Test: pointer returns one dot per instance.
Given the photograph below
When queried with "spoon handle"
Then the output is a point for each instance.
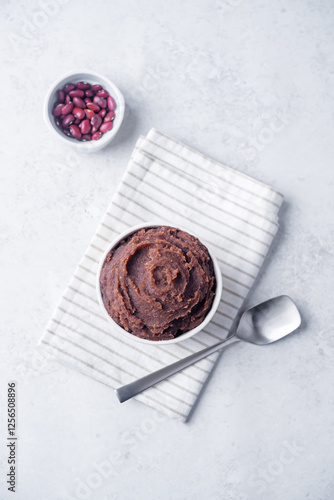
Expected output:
(128, 391)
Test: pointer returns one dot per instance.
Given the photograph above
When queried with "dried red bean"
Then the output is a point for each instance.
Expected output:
(111, 103)
(109, 116)
(61, 96)
(89, 113)
(96, 121)
(76, 93)
(102, 93)
(81, 108)
(69, 87)
(79, 113)
(79, 103)
(106, 126)
(58, 109)
(100, 101)
(93, 106)
(67, 120)
(85, 127)
(83, 85)
(96, 87)
(87, 137)
(96, 136)
(75, 131)
(67, 108)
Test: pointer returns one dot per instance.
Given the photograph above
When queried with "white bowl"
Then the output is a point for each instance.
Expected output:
(93, 78)
(186, 335)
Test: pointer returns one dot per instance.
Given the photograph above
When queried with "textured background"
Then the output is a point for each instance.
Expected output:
(251, 84)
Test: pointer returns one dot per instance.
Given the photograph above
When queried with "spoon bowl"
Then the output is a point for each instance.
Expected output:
(269, 321)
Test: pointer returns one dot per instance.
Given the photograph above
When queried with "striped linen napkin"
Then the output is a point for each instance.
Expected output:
(236, 216)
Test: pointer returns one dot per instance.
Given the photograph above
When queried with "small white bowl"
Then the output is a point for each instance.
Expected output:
(93, 78)
(183, 336)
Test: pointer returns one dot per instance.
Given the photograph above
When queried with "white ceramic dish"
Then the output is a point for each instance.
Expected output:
(190, 333)
(93, 78)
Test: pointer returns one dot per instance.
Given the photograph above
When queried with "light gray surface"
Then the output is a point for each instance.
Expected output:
(250, 84)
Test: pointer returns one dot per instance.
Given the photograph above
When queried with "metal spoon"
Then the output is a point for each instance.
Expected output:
(262, 324)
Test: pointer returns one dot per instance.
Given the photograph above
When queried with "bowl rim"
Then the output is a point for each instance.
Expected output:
(184, 336)
(88, 146)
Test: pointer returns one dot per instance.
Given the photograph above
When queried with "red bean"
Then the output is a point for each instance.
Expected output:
(96, 121)
(106, 126)
(100, 101)
(89, 113)
(85, 127)
(79, 113)
(75, 131)
(67, 108)
(79, 103)
(58, 109)
(76, 93)
(61, 96)
(96, 136)
(87, 137)
(68, 120)
(96, 87)
(111, 103)
(93, 106)
(109, 116)
(83, 85)
(84, 111)
(69, 87)
(102, 93)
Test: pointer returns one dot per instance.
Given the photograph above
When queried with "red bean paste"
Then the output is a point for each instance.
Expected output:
(158, 283)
